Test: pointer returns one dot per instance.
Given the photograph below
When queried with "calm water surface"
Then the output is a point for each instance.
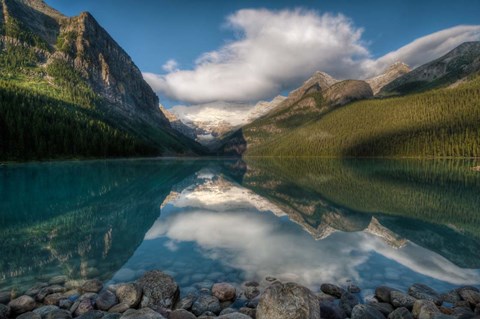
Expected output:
(370, 222)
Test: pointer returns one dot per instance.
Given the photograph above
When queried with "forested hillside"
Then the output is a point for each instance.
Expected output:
(437, 123)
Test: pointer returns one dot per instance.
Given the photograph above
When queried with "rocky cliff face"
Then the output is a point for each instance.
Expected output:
(393, 72)
(454, 66)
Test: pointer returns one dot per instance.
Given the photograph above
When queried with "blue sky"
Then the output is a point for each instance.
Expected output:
(156, 31)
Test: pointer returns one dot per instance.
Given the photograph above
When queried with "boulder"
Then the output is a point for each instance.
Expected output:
(224, 291)
(112, 316)
(45, 310)
(288, 301)
(119, 308)
(21, 304)
(383, 307)
(35, 289)
(53, 299)
(58, 280)
(83, 307)
(347, 302)
(4, 311)
(92, 314)
(130, 294)
(399, 299)
(186, 302)
(181, 314)
(382, 293)
(470, 295)
(400, 313)
(332, 290)
(93, 285)
(252, 313)
(143, 313)
(159, 289)
(452, 296)
(251, 292)
(5, 297)
(234, 315)
(29, 315)
(59, 314)
(366, 312)
(330, 310)
(421, 291)
(424, 309)
(106, 300)
(206, 303)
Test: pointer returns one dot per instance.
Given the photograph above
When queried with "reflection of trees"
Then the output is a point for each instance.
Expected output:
(429, 198)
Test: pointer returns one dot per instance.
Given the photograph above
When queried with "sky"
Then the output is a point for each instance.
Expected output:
(194, 52)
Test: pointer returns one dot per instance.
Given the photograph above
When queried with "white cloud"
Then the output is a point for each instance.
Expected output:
(280, 49)
(170, 66)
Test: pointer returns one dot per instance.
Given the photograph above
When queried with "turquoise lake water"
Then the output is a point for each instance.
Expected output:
(370, 222)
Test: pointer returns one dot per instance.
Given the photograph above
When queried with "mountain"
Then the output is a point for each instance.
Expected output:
(454, 66)
(393, 72)
(73, 63)
(212, 122)
(316, 97)
(177, 124)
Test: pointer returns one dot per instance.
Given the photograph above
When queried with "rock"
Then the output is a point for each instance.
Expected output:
(424, 309)
(382, 293)
(332, 290)
(470, 295)
(252, 303)
(462, 303)
(439, 315)
(29, 315)
(445, 310)
(158, 289)
(224, 292)
(186, 302)
(35, 289)
(468, 288)
(235, 315)
(59, 314)
(45, 310)
(93, 285)
(421, 291)
(288, 301)
(399, 299)
(329, 310)
(83, 307)
(106, 300)
(21, 304)
(143, 313)
(323, 297)
(251, 292)
(5, 297)
(129, 294)
(270, 279)
(206, 303)
(352, 288)
(252, 313)
(347, 302)
(65, 303)
(463, 312)
(452, 296)
(73, 284)
(383, 307)
(53, 299)
(120, 308)
(251, 284)
(226, 311)
(366, 312)
(4, 311)
(181, 314)
(58, 280)
(477, 310)
(400, 313)
(92, 314)
(88, 295)
(112, 316)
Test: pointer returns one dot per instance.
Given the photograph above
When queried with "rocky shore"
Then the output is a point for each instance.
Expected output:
(156, 295)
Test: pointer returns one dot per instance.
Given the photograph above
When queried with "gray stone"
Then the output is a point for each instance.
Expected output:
(400, 313)
(226, 311)
(383, 307)
(399, 299)
(270, 279)
(35, 289)
(235, 315)
(45, 310)
(106, 300)
(251, 284)
(83, 307)
(4, 311)
(143, 313)
(252, 303)
(463, 312)
(181, 314)
(439, 315)
(421, 291)
(29, 315)
(330, 310)
(452, 296)
(382, 293)
(129, 294)
(112, 316)
(88, 295)
(5, 297)
(93, 285)
(288, 301)
(53, 299)
(472, 296)
(366, 312)
(353, 288)
(21, 304)
(224, 291)
(186, 302)
(92, 314)
(58, 280)
(59, 314)
(252, 313)
(332, 290)
(347, 302)
(251, 292)
(424, 309)
(120, 308)
(477, 310)
(65, 303)
(206, 303)
(159, 289)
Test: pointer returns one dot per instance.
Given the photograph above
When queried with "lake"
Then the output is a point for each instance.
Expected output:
(312, 221)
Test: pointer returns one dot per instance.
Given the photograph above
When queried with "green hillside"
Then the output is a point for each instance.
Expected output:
(437, 123)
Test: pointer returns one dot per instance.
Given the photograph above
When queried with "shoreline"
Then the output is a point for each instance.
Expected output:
(156, 295)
